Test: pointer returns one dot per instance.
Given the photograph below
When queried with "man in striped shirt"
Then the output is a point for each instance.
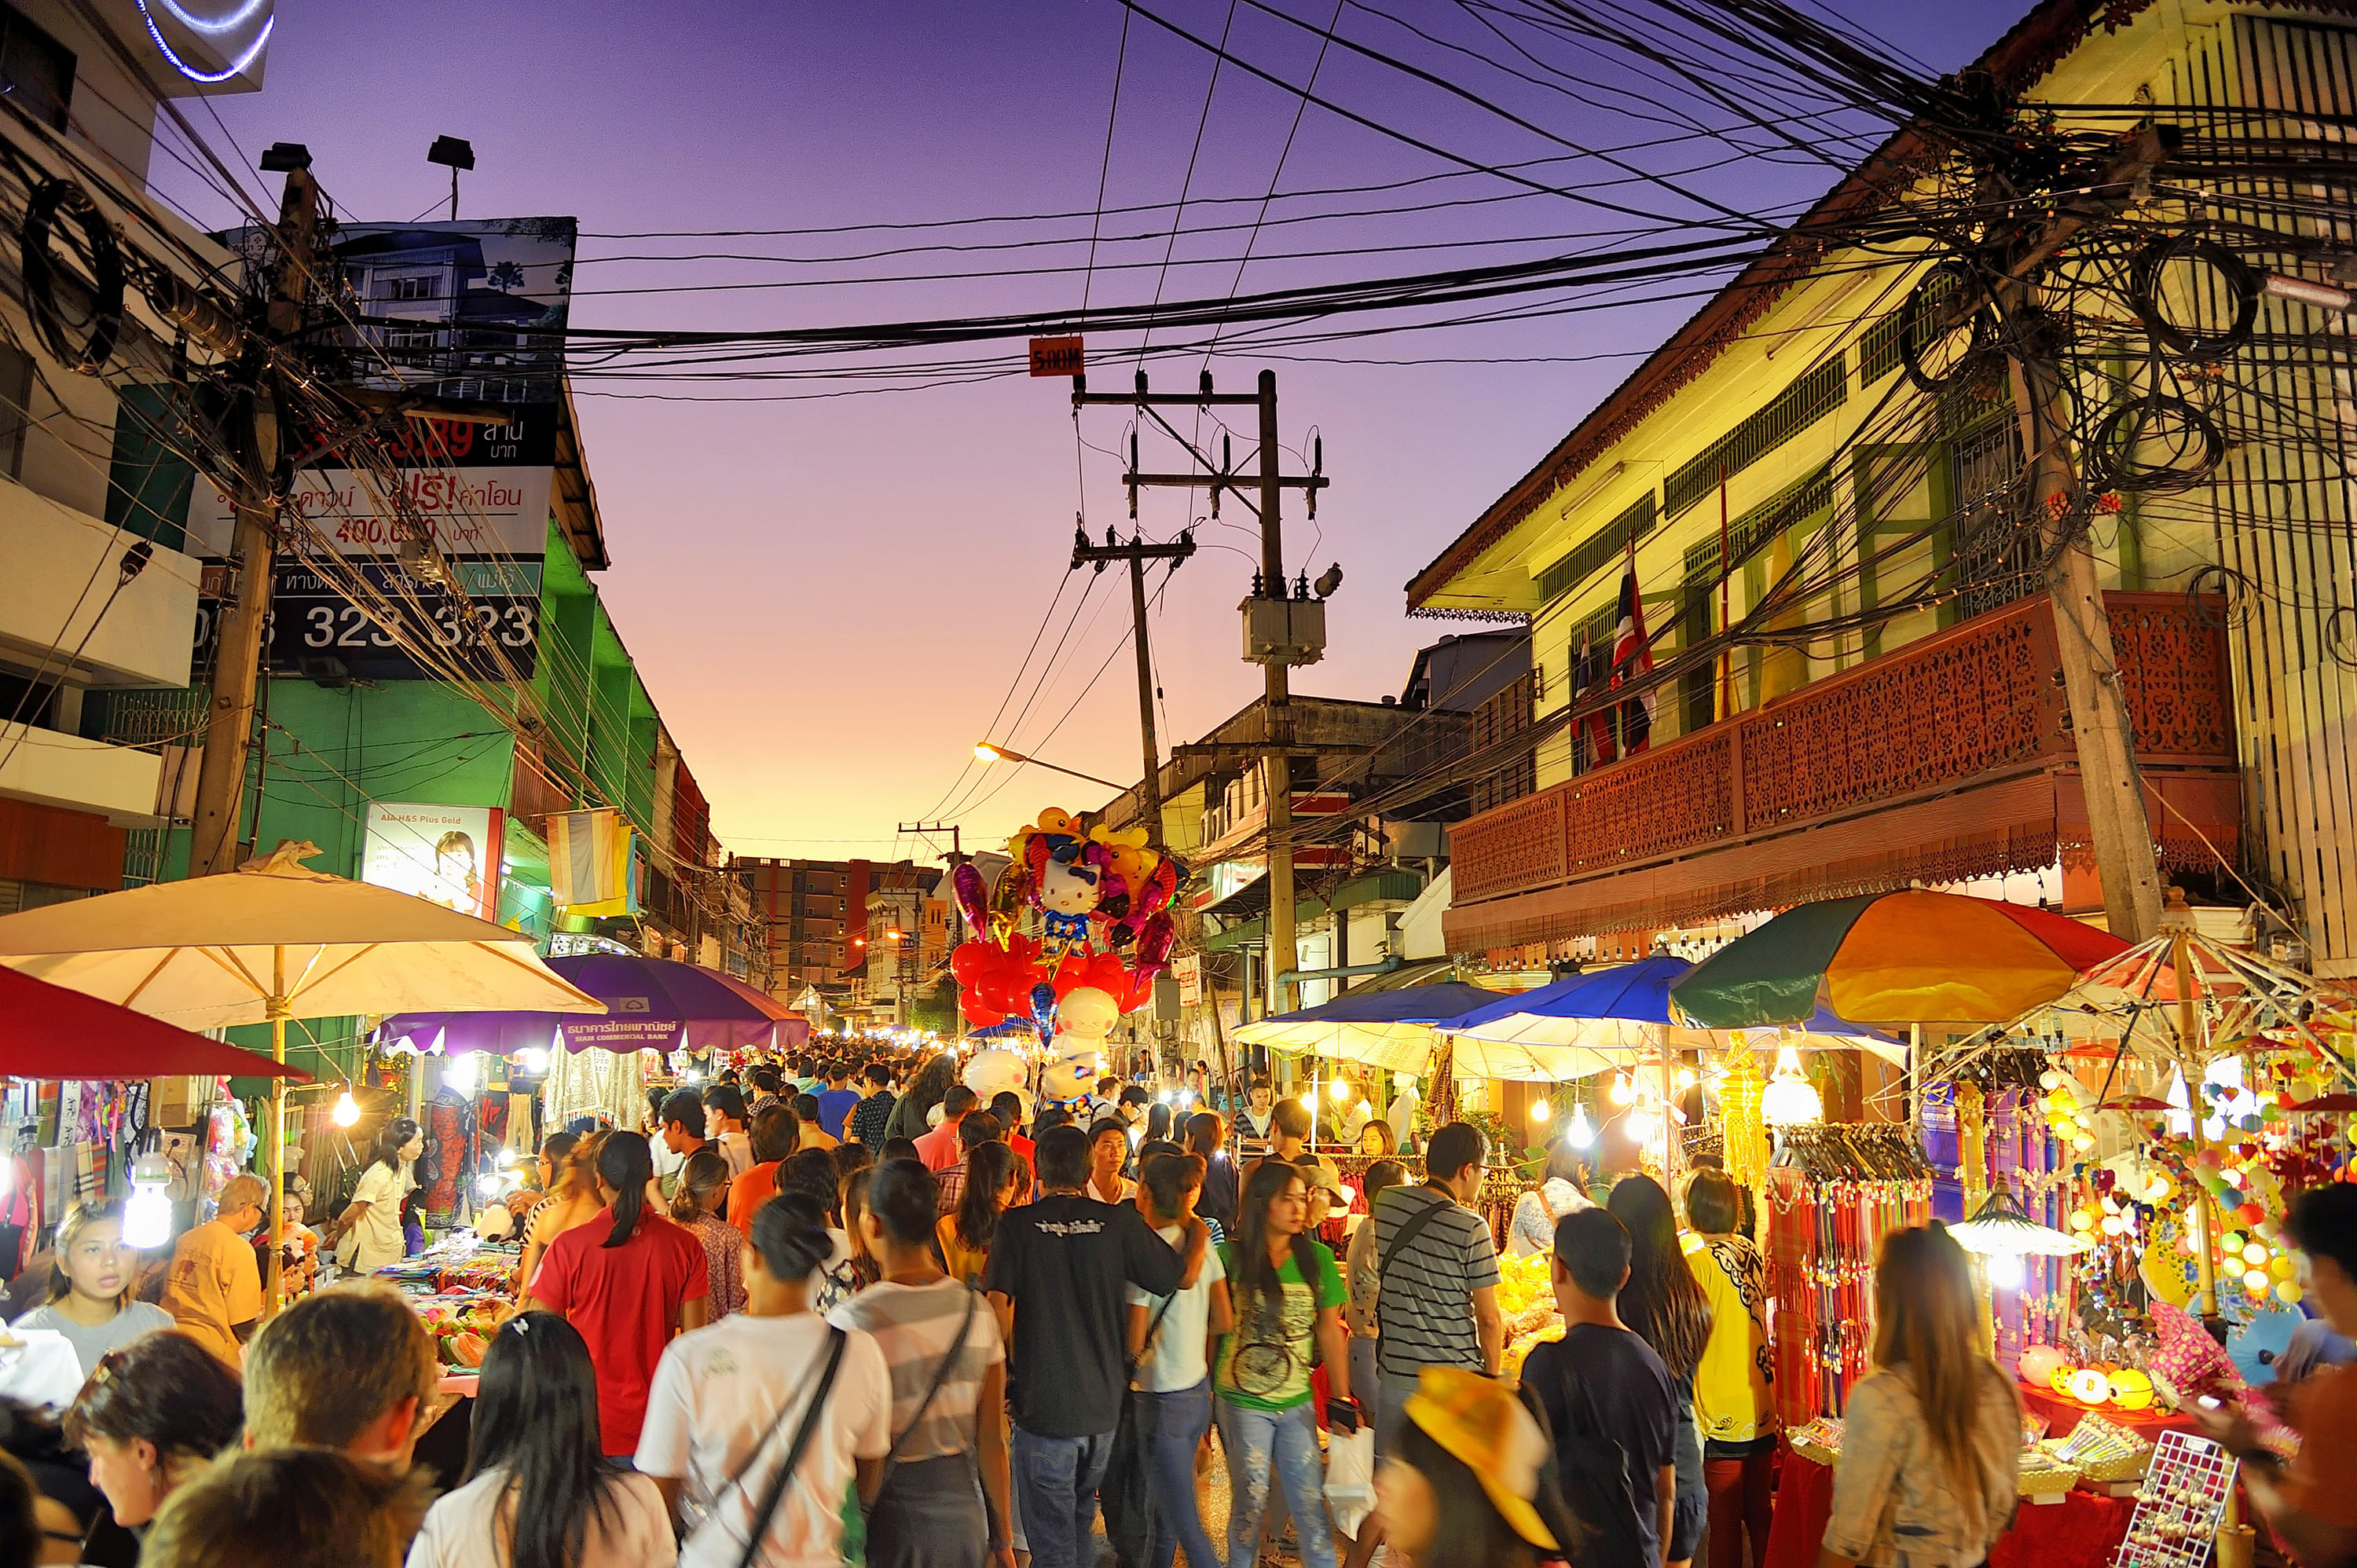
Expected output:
(1436, 1304)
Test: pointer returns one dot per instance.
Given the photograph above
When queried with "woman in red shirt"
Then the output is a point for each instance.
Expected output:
(628, 1283)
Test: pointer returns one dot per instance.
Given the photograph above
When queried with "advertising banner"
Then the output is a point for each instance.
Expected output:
(469, 311)
(445, 854)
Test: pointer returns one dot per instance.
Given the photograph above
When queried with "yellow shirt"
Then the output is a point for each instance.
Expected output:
(1732, 1403)
(963, 1263)
(215, 1283)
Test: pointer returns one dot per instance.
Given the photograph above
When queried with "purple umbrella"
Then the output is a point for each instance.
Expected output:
(651, 1003)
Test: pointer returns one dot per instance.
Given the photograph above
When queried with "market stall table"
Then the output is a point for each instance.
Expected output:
(2060, 1413)
(2082, 1530)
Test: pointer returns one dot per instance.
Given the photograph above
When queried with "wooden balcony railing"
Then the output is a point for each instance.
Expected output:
(1980, 699)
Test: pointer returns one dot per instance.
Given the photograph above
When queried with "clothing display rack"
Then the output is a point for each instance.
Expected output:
(1832, 1193)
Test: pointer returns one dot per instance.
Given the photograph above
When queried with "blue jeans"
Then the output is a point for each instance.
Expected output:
(1171, 1425)
(1056, 1481)
(1284, 1442)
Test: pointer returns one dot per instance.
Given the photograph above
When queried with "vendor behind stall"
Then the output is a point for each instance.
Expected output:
(368, 1235)
(214, 1288)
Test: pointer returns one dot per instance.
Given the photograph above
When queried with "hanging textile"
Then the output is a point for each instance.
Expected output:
(595, 1083)
(450, 1159)
(1833, 1194)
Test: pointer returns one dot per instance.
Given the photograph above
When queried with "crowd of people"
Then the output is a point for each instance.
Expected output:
(799, 1322)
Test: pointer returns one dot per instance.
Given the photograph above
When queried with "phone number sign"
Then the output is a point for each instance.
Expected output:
(405, 630)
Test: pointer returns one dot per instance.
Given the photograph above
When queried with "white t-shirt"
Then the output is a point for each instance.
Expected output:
(1174, 1357)
(717, 1393)
(378, 1232)
(461, 1529)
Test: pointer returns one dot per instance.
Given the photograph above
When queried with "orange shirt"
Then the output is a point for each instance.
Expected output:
(2322, 1481)
(749, 1192)
(215, 1283)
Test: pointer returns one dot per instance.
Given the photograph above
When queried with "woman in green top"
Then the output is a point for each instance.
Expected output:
(1289, 1299)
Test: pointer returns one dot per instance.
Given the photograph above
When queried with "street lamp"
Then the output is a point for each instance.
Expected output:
(984, 751)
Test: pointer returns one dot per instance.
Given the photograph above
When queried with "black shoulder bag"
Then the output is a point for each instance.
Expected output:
(775, 1492)
(1126, 1496)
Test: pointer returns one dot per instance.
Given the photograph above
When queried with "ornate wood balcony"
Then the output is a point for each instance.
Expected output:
(1950, 757)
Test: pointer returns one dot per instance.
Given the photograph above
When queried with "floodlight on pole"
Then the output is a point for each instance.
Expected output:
(457, 152)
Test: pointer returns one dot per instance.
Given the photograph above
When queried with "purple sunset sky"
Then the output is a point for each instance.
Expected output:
(828, 596)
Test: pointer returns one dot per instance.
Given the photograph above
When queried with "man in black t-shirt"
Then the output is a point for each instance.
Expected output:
(1058, 1276)
(1606, 1401)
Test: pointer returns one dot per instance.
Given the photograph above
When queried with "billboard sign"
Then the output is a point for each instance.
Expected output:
(314, 629)
(445, 854)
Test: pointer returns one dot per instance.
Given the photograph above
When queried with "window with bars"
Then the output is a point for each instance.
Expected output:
(1501, 716)
(1816, 394)
(1878, 351)
(1598, 550)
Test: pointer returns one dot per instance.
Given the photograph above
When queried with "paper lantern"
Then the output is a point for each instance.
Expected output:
(2255, 1254)
(2090, 1386)
(2040, 1363)
(2131, 1390)
(2288, 1293)
(2060, 1379)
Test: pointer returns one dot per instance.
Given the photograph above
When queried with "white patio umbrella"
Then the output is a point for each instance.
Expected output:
(273, 941)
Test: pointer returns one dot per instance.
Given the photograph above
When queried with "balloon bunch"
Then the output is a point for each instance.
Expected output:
(1099, 893)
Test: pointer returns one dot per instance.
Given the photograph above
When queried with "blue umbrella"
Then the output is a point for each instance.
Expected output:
(1600, 1018)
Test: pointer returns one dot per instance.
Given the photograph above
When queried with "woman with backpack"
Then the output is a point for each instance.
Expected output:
(946, 1477)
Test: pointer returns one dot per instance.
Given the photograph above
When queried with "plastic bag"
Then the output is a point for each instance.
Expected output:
(1351, 1478)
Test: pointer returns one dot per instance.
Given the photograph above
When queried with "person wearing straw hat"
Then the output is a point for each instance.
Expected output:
(1467, 1484)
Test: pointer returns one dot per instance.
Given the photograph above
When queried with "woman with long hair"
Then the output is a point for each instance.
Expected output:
(911, 1114)
(1157, 1123)
(572, 1202)
(1733, 1404)
(994, 1173)
(1286, 1297)
(151, 1416)
(538, 1491)
(1930, 1436)
(1469, 1482)
(697, 1204)
(545, 1166)
(1665, 1308)
(628, 1283)
(367, 1235)
(1559, 1192)
(92, 1278)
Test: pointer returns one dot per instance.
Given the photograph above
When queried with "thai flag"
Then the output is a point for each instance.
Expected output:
(1633, 657)
(1595, 731)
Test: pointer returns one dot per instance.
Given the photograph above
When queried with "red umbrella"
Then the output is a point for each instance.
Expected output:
(48, 1031)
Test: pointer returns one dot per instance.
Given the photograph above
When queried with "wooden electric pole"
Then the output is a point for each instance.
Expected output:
(1266, 606)
(1137, 553)
(245, 601)
(2119, 830)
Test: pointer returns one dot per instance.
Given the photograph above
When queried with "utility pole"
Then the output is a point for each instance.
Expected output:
(1279, 632)
(245, 605)
(955, 858)
(2120, 832)
(1137, 553)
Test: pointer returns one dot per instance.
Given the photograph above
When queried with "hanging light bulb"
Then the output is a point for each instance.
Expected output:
(458, 1072)
(532, 1060)
(2004, 1270)
(346, 1110)
(1339, 1090)
(1621, 1091)
(1540, 1111)
(1582, 1131)
(1790, 1098)
(148, 1217)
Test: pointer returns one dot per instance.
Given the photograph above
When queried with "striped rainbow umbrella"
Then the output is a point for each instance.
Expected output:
(1894, 959)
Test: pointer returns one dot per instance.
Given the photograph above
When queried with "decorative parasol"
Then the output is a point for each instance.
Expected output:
(2000, 1227)
(1387, 1029)
(1891, 959)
